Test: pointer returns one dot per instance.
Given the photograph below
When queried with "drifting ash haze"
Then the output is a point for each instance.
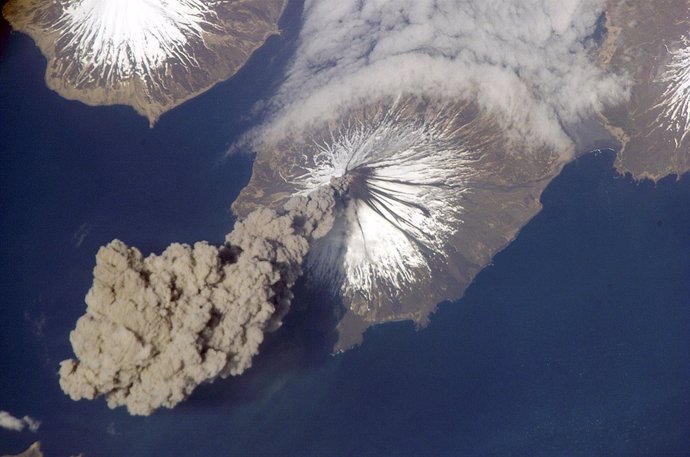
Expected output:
(150, 54)
(157, 327)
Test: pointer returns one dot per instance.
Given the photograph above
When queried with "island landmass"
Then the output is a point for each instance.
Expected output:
(500, 194)
(649, 42)
(152, 56)
(649, 132)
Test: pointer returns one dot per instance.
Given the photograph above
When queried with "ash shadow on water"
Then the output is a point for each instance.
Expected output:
(303, 343)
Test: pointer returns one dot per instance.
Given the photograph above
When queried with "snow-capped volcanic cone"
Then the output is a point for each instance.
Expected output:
(149, 54)
(407, 183)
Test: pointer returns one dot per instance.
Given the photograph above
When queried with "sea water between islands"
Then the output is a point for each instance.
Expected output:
(575, 341)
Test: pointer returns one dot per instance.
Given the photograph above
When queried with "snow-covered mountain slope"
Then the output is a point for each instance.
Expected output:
(675, 101)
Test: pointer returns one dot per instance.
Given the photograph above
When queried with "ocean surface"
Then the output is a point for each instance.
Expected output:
(574, 342)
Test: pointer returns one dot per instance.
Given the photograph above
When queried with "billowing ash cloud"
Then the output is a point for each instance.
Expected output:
(675, 101)
(526, 61)
(9, 422)
(156, 327)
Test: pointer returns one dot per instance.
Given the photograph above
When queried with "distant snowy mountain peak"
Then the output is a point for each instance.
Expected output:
(150, 54)
(675, 104)
(118, 39)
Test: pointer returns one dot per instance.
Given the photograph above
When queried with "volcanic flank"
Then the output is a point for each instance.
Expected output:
(436, 189)
(157, 327)
(150, 54)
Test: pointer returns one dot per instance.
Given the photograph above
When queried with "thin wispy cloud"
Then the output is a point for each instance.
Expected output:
(16, 424)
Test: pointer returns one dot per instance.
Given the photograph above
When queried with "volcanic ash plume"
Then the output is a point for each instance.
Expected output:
(157, 327)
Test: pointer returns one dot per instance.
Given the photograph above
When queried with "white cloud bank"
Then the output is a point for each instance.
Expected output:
(16, 424)
(529, 62)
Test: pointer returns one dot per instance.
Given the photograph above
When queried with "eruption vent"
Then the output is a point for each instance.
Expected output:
(157, 327)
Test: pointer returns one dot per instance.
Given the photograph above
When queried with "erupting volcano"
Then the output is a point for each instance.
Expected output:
(435, 188)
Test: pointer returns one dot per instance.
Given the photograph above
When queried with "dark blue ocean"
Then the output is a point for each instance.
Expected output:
(574, 342)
